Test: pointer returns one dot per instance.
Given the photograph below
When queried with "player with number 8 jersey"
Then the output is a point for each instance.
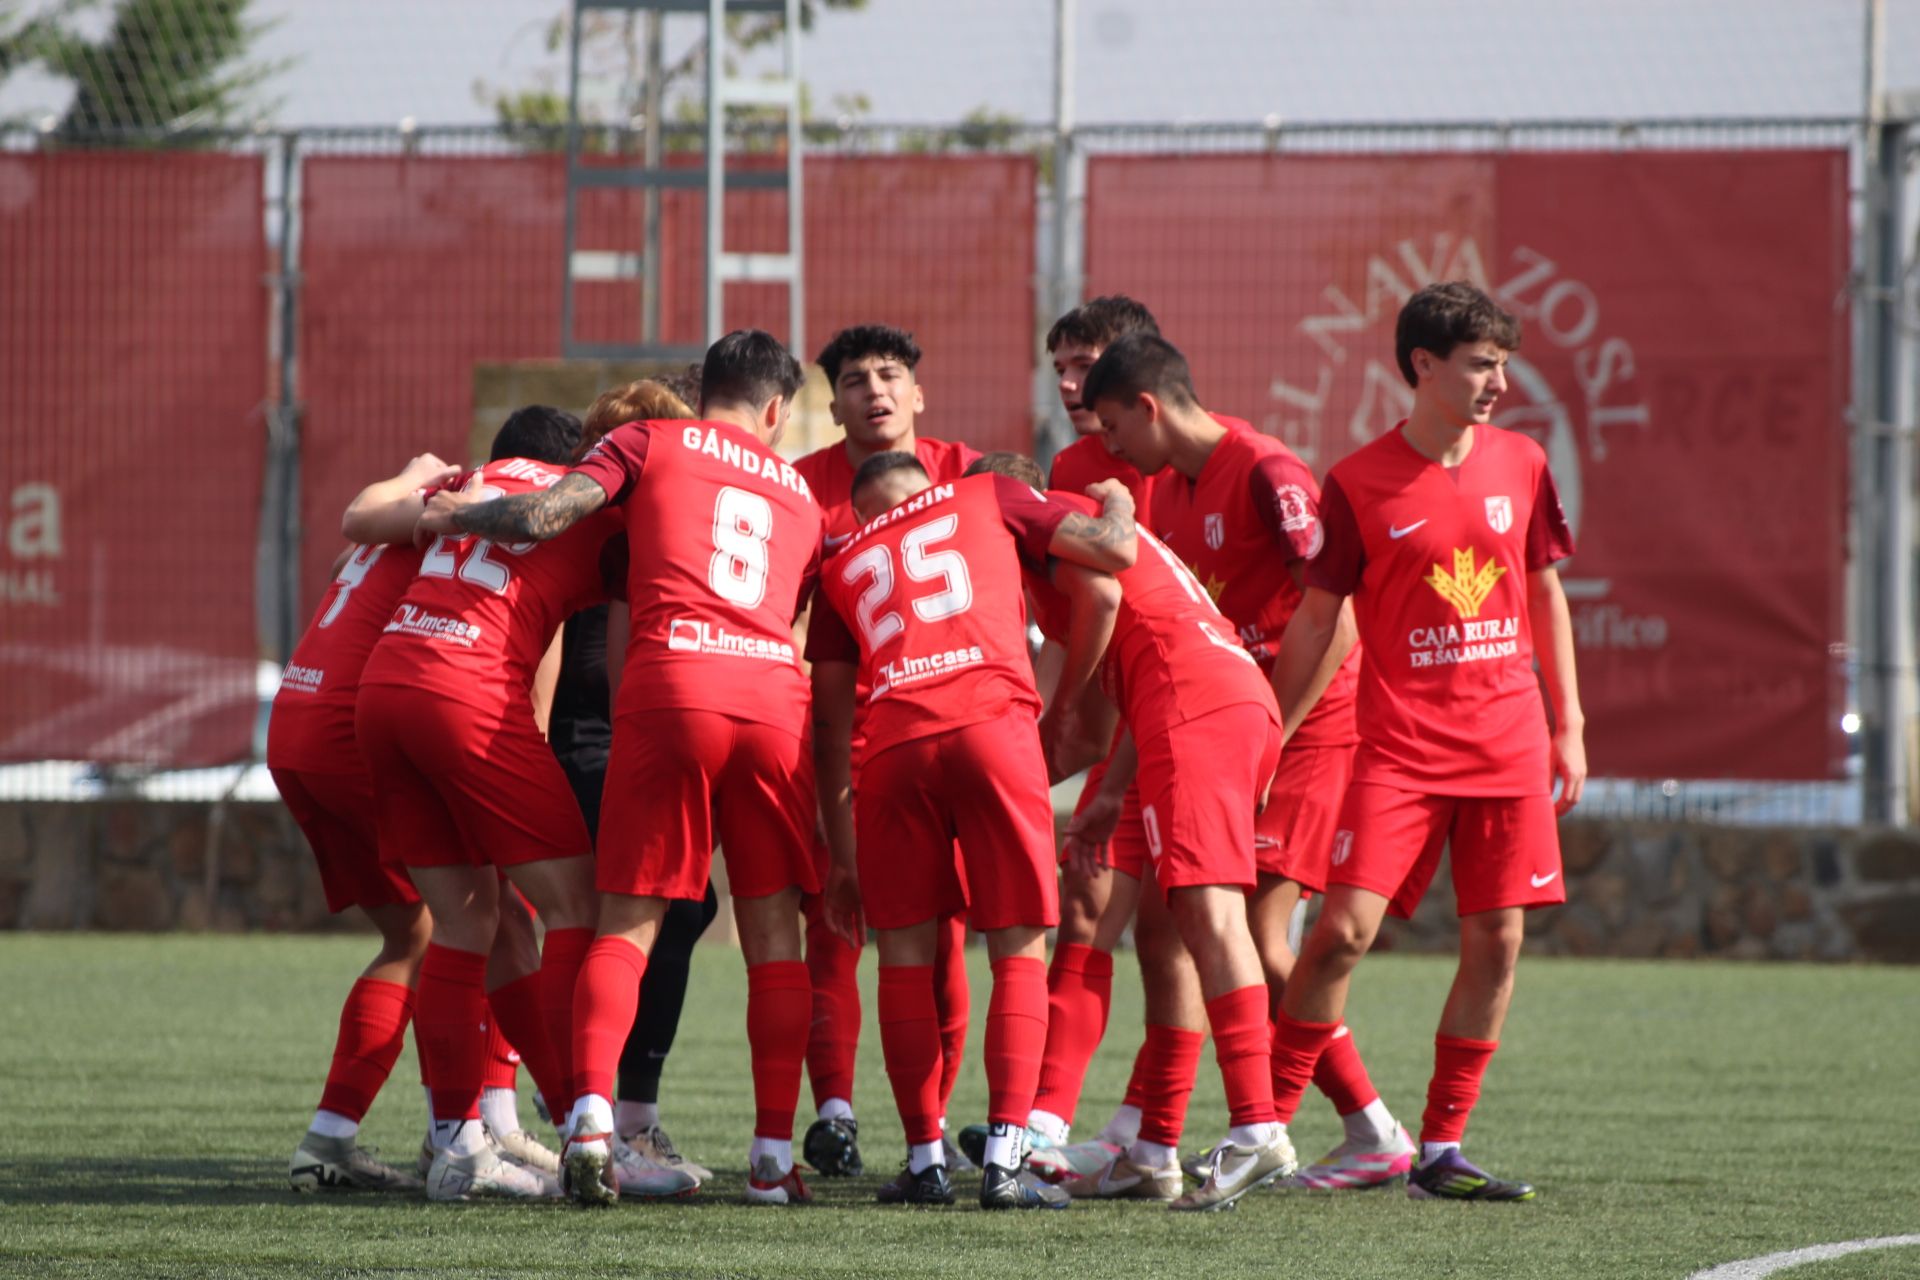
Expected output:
(708, 734)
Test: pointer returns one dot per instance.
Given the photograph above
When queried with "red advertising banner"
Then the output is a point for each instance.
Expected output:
(415, 268)
(133, 353)
(1684, 363)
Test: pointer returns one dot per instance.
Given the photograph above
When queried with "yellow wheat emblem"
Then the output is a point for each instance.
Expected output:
(1466, 588)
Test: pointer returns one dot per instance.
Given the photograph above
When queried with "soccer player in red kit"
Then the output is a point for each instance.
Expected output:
(1183, 682)
(316, 764)
(877, 400)
(709, 729)
(1445, 533)
(1243, 512)
(468, 789)
(952, 749)
(1097, 902)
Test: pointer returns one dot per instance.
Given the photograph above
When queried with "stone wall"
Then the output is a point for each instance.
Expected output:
(1634, 889)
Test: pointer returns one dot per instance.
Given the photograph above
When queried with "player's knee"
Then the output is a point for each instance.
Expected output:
(1490, 942)
(1338, 942)
(1079, 917)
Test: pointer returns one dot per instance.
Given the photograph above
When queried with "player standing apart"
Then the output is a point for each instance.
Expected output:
(1445, 533)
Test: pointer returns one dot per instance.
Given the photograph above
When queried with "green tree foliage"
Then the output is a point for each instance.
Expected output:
(162, 64)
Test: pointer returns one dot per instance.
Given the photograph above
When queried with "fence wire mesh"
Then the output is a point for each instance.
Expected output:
(314, 315)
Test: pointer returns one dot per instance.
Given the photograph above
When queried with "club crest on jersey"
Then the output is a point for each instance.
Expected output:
(1342, 847)
(1500, 513)
(1216, 530)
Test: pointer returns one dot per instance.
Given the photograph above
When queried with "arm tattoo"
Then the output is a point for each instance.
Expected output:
(536, 516)
(1108, 530)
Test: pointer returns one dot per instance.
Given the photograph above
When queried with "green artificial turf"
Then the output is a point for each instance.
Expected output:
(1673, 1115)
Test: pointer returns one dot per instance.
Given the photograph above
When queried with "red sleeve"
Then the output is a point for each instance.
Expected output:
(1343, 557)
(616, 462)
(1548, 538)
(1283, 494)
(828, 639)
(454, 485)
(1031, 517)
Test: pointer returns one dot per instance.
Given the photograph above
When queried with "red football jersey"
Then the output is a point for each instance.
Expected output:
(725, 536)
(1086, 462)
(830, 475)
(933, 587)
(478, 617)
(1436, 560)
(1173, 657)
(312, 723)
(1253, 512)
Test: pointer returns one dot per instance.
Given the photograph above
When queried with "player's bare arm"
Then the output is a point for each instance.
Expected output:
(833, 701)
(520, 517)
(1308, 658)
(1553, 647)
(546, 682)
(1108, 541)
(1091, 830)
(1297, 688)
(1093, 600)
(385, 511)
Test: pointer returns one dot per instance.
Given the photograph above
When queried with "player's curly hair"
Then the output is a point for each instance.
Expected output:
(1101, 322)
(1443, 316)
(863, 340)
(641, 401)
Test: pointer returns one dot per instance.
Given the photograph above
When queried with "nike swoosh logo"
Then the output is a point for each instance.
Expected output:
(835, 542)
(1541, 882)
(1401, 533)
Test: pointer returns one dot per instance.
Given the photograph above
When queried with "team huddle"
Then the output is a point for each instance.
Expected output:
(1277, 689)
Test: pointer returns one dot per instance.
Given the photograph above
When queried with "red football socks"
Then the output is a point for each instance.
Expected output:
(373, 1026)
(910, 1041)
(1242, 1044)
(1164, 1072)
(1297, 1047)
(955, 1002)
(1342, 1076)
(1079, 996)
(561, 957)
(449, 1023)
(1016, 1037)
(503, 1063)
(779, 1006)
(519, 1015)
(834, 1038)
(606, 995)
(1458, 1065)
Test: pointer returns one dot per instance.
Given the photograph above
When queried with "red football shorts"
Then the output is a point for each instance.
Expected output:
(463, 786)
(1506, 849)
(336, 814)
(1127, 851)
(1293, 835)
(1199, 782)
(986, 786)
(677, 778)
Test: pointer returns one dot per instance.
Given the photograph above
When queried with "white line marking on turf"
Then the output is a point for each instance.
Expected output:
(1755, 1268)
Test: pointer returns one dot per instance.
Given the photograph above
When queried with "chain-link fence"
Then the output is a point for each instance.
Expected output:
(213, 339)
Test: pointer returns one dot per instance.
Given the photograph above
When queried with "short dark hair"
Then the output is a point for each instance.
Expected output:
(748, 367)
(1442, 316)
(685, 384)
(537, 431)
(1101, 322)
(1137, 363)
(1014, 466)
(862, 340)
(882, 464)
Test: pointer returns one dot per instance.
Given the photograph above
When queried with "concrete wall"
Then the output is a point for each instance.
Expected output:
(1633, 889)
